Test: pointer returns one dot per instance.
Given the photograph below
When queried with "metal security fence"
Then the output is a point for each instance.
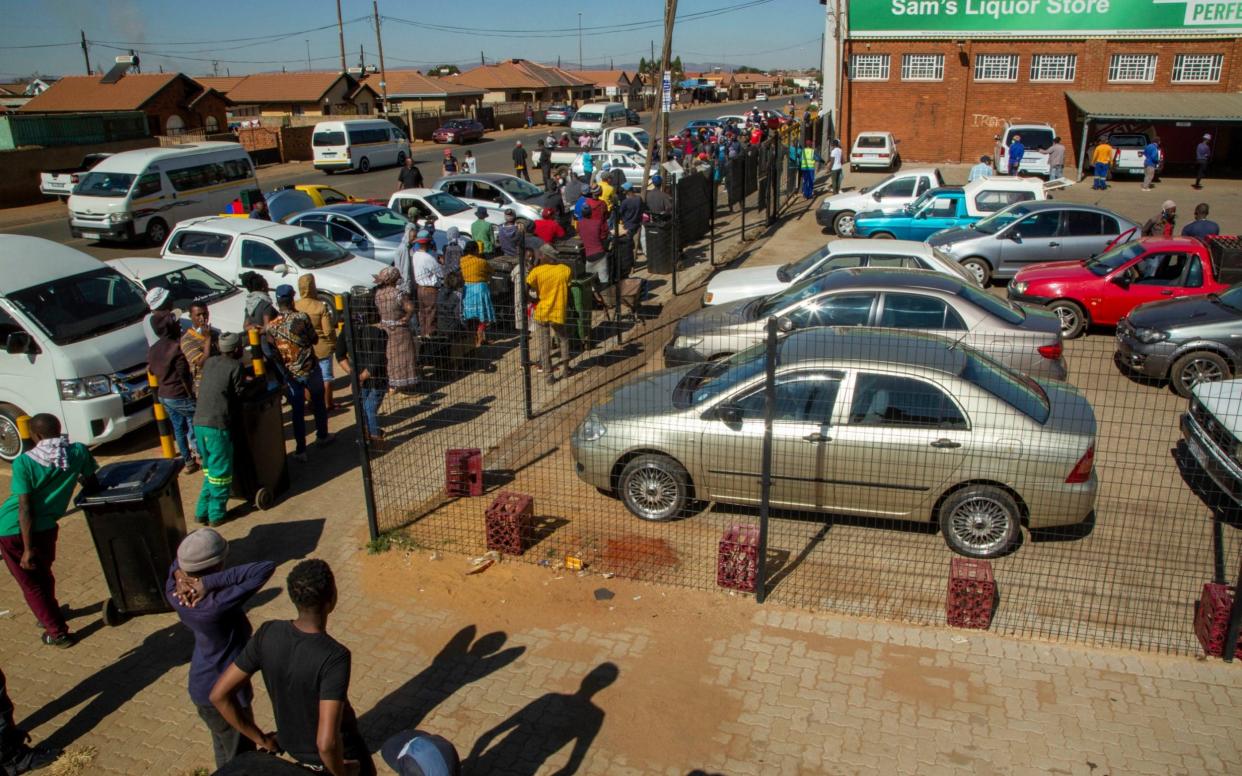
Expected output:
(795, 453)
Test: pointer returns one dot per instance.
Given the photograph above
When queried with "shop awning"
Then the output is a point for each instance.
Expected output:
(1159, 106)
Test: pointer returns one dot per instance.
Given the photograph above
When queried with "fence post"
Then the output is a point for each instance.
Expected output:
(765, 483)
(742, 233)
(523, 322)
(1235, 621)
(614, 273)
(675, 236)
(711, 218)
(351, 334)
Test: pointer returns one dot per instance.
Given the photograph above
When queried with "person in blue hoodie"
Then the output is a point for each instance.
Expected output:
(1016, 152)
(1151, 160)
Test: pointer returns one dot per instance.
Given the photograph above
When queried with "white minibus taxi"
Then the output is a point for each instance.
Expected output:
(142, 193)
(358, 144)
(71, 344)
(593, 118)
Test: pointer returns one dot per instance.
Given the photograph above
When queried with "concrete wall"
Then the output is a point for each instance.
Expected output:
(20, 183)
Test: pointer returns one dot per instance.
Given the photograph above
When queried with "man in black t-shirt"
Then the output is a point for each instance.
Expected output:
(409, 177)
(306, 673)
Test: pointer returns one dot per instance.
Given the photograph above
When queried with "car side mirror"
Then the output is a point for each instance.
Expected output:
(1014, 235)
(785, 324)
(730, 414)
(1122, 279)
(281, 269)
(19, 343)
(360, 242)
(876, 196)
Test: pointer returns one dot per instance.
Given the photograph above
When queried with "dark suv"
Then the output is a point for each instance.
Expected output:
(1186, 341)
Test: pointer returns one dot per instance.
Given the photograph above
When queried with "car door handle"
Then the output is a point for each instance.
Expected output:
(817, 437)
(945, 444)
(1166, 292)
(1054, 245)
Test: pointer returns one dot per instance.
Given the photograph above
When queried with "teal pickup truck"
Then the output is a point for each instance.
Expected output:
(948, 206)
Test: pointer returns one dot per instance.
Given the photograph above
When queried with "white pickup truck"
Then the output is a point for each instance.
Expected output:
(278, 252)
(893, 193)
(1128, 157)
(60, 183)
(618, 139)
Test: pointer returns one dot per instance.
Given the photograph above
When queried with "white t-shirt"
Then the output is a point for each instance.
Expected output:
(836, 158)
(472, 164)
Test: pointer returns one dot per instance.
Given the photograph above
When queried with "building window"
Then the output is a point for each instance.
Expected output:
(1135, 68)
(1201, 68)
(922, 67)
(1054, 67)
(869, 67)
(996, 67)
(174, 125)
(298, 109)
(211, 124)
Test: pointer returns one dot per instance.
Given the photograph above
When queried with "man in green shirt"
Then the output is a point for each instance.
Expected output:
(481, 232)
(43, 483)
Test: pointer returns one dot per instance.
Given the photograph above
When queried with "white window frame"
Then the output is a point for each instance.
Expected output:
(1205, 68)
(1118, 62)
(996, 67)
(1045, 67)
(931, 67)
(880, 72)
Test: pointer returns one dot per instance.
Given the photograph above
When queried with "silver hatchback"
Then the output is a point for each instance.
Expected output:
(867, 422)
(1027, 339)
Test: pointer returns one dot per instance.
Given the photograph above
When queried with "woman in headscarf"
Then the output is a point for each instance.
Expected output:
(395, 310)
(477, 307)
(404, 261)
(453, 249)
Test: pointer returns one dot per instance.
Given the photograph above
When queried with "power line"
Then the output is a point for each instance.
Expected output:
(40, 45)
(269, 36)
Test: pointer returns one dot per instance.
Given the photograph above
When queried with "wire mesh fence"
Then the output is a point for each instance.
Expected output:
(777, 444)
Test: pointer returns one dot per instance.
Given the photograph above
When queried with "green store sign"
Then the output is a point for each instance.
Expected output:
(1002, 18)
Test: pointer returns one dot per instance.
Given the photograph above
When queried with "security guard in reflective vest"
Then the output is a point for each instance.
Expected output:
(810, 157)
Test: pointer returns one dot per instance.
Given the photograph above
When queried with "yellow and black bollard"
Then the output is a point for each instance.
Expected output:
(256, 353)
(167, 445)
(338, 302)
(23, 431)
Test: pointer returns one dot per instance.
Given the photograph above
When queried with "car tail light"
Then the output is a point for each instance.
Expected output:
(73, 178)
(883, 156)
(1082, 470)
(1051, 352)
(349, 152)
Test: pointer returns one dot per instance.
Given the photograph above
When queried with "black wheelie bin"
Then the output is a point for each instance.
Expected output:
(135, 518)
(260, 468)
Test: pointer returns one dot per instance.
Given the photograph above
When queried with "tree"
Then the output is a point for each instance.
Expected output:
(747, 69)
(445, 70)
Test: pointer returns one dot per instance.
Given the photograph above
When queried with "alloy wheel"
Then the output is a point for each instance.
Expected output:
(982, 524)
(1201, 370)
(652, 491)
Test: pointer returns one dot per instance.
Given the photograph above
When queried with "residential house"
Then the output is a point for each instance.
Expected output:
(173, 102)
(12, 95)
(411, 90)
(520, 80)
(314, 93)
(613, 85)
(744, 86)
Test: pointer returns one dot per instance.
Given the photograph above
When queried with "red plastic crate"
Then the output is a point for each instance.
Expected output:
(508, 522)
(1212, 618)
(971, 599)
(737, 558)
(463, 472)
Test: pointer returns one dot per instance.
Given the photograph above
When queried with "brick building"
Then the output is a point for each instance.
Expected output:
(174, 103)
(520, 80)
(946, 90)
(312, 93)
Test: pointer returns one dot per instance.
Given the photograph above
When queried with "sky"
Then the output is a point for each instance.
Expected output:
(233, 36)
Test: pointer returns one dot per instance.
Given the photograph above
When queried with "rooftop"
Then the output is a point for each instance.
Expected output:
(88, 93)
(519, 74)
(412, 83)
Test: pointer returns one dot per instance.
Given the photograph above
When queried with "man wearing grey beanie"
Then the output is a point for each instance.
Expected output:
(210, 601)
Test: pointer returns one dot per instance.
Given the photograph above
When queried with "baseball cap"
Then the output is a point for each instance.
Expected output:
(1169, 205)
(656, 180)
(627, 186)
(481, 212)
(156, 297)
(417, 753)
(448, 152)
(284, 291)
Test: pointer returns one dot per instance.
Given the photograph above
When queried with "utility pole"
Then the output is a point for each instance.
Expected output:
(379, 43)
(830, 72)
(482, 61)
(86, 54)
(580, 40)
(340, 31)
(660, 135)
(308, 64)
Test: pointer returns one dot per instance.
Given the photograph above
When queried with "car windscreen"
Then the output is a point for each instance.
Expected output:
(1034, 139)
(871, 141)
(793, 269)
(105, 184)
(446, 204)
(382, 223)
(644, 140)
(587, 115)
(81, 306)
(810, 287)
(1014, 388)
(328, 139)
(708, 380)
(192, 284)
(1231, 298)
(519, 188)
(311, 249)
(1001, 218)
(1001, 308)
(1114, 258)
(1127, 141)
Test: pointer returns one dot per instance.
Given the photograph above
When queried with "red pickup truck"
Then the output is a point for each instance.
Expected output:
(1103, 289)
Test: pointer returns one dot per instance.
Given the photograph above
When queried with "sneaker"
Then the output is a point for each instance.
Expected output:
(63, 641)
(29, 758)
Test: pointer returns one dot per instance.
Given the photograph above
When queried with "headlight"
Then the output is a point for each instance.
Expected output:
(947, 247)
(1019, 287)
(687, 342)
(84, 387)
(119, 218)
(1150, 336)
(592, 428)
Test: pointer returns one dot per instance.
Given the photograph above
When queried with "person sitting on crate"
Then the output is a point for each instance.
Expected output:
(39, 491)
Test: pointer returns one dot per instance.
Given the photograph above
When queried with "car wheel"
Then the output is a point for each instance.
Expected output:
(364, 165)
(11, 442)
(157, 231)
(853, 168)
(843, 224)
(654, 487)
(401, 158)
(1073, 318)
(882, 236)
(980, 521)
(1199, 367)
(112, 616)
(329, 171)
(979, 268)
(896, 163)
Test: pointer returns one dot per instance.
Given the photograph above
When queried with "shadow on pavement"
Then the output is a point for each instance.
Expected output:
(107, 690)
(542, 728)
(277, 542)
(463, 661)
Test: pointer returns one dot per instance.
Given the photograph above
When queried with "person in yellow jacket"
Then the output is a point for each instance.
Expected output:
(810, 158)
(321, 318)
(1102, 162)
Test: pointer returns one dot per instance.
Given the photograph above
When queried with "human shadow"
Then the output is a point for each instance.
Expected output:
(463, 661)
(542, 728)
(277, 542)
(101, 694)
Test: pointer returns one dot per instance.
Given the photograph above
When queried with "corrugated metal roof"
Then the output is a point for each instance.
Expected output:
(1160, 106)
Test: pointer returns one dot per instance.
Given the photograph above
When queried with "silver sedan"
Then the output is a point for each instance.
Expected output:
(867, 422)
